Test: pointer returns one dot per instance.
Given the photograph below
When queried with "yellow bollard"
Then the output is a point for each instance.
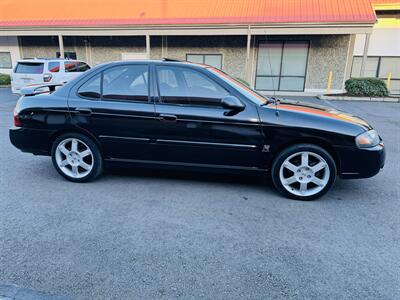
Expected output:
(329, 82)
(389, 78)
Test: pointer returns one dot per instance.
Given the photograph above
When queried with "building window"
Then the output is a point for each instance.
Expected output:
(282, 65)
(67, 55)
(371, 67)
(379, 67)
(214, 60)
(5, 60)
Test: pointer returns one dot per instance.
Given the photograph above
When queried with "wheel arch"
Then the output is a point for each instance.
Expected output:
(60, 132)
(314, 141)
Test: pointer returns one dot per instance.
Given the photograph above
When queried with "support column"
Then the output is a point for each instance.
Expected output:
(88, 51)
(253, 62)
(247, 67)
(148, 46)
(61, 45)
(365, 54)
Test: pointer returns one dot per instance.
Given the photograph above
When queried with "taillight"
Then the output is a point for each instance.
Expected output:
(47, 77)
(17, 121)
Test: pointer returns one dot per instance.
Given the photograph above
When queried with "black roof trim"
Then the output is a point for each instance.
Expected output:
(172, 59)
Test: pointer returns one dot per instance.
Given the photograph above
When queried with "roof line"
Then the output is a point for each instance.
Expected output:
(189, 26)
(176, 22)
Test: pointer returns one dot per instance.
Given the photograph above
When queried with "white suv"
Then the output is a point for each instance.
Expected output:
(38, 71)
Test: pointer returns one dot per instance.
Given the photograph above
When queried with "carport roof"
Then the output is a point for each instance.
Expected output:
(93, 13)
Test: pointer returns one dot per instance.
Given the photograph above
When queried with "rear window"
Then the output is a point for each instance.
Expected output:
(29, 68)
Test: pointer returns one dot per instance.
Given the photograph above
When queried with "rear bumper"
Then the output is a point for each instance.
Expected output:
(30, 140)
(15, 89)
(361, 163)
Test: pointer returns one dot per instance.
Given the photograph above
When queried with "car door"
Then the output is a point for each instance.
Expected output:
(194, 128)
(115, 106)
(53, 74)
(70, 70)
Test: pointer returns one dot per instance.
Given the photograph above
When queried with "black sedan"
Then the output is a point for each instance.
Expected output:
(178, 114)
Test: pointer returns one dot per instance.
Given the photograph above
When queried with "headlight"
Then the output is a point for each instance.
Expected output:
(368, 139)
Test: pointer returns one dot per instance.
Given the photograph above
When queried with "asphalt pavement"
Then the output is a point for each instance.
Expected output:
(146, 234)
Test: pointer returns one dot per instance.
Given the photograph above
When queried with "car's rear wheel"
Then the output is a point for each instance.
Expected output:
(303, 172)
(76, 157)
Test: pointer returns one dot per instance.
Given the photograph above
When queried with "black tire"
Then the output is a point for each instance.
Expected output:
(292, 150)
(95, 158)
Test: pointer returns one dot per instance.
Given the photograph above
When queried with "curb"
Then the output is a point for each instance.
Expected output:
(349, 98)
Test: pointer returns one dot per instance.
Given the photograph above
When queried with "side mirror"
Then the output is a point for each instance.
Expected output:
(233, 104)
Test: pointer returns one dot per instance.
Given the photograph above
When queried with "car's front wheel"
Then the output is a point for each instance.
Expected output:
(76, 157)
(303, 172)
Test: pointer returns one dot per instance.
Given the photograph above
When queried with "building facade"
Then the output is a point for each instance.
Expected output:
(273, 45)
(383, 44)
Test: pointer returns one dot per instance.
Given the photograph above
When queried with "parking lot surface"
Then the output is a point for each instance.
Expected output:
(146, 234)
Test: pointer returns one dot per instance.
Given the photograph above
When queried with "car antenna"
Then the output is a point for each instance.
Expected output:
(275, 100)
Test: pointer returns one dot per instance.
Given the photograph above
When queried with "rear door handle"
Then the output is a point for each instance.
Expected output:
(167, 117)
(83, 111)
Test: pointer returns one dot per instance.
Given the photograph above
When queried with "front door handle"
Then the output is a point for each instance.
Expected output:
(167, 117)
(83, 111)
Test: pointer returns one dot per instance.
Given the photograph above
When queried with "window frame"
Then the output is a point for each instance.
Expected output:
(159, 96)
(280, 65)
(117, 100)
(204, 58)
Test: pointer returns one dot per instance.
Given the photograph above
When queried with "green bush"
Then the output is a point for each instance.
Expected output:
(5, 79)
(370, 87)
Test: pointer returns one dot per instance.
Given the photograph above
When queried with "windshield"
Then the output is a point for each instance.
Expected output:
(249, 92)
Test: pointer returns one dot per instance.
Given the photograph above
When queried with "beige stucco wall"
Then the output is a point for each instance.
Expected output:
(93, 50)
(326, 53)
(232, 49)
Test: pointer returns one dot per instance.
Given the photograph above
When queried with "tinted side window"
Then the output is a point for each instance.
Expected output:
(185, 86)
(54, 67)
(82, 67)
(91, 88)
(70, 66)
(126, 83)
(29, 68)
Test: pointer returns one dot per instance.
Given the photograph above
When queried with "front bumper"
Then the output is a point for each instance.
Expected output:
(30, 140)
(361, 163)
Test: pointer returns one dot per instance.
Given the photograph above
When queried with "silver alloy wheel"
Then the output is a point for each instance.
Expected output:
(304, 173)
(74, 158)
